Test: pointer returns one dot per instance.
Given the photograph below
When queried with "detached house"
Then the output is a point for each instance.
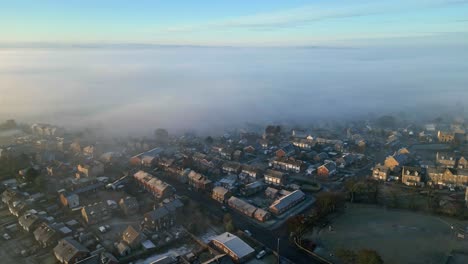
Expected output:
(95, 213)
(69, 251)
(131, 239)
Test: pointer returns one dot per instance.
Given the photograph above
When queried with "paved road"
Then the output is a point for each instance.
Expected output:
(267, 237)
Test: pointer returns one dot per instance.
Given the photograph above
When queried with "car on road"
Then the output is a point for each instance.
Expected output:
(224, 208)
(261, 254)
(6, 236)
(247, 232)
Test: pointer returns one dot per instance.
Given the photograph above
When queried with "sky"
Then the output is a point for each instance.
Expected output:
(242, 22)
(129, 67)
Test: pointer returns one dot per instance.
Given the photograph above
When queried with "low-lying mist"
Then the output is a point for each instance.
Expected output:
(133, 90)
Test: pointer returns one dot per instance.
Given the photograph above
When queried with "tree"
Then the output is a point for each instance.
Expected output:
(346, 256)
(161, 135)
(386, 121)
(328, 202)
(295, 223)
(227, 218)
(229, 227)
(209, 140)
(368, 256)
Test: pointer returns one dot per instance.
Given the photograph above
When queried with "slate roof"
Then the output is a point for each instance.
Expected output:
(67, 248)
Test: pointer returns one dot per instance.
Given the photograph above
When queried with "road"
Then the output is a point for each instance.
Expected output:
(267, 237)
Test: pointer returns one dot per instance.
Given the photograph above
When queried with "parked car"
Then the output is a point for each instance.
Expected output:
(247, 232)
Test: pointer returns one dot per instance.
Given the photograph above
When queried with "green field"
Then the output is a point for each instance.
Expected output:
(398, 236)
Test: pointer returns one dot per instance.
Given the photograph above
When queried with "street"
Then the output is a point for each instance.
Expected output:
(269, 238)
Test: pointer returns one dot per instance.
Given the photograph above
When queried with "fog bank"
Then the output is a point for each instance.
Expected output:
(134, 90)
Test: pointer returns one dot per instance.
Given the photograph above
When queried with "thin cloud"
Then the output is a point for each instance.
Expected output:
(306, 15)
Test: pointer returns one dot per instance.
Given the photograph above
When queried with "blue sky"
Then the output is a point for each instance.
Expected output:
(243, 23)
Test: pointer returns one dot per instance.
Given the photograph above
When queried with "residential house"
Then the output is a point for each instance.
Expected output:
(69, 251)
(29, 222)
(252, 188)
(445, 137)
(466, 196)
(149, 156)
(411, 176)
(396, 161)
(462, 163)
(95, 213)
(446, 160)
(287, 164)
(264, 143)
(249, 171)
(159, 219)
(242, 206)
(70, 200)
(271, 193)
(249, 149)
(285, 151)
(286, 202)
(274, 177)
(149, 161)
(47, 235)
(220, 194)
(320, 157)
(199, 181)
(261, 215)
(326, 170)
(154, 185)
(92, 169)
(380, 172)
(129, 205)
(447, 176)
(232, 167)
(132, 237)
(226, 153)
(234, 247)
(303, 143)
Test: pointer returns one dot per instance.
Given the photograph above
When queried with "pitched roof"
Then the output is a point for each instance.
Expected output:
(157, 214)
(274, 174)
(130, 235)
(234, 244)
(285, 201)
(67, 248)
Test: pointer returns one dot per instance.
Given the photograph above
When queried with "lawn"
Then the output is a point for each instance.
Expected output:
(399, 236)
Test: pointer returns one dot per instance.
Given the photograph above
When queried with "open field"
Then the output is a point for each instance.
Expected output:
(398, 236)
